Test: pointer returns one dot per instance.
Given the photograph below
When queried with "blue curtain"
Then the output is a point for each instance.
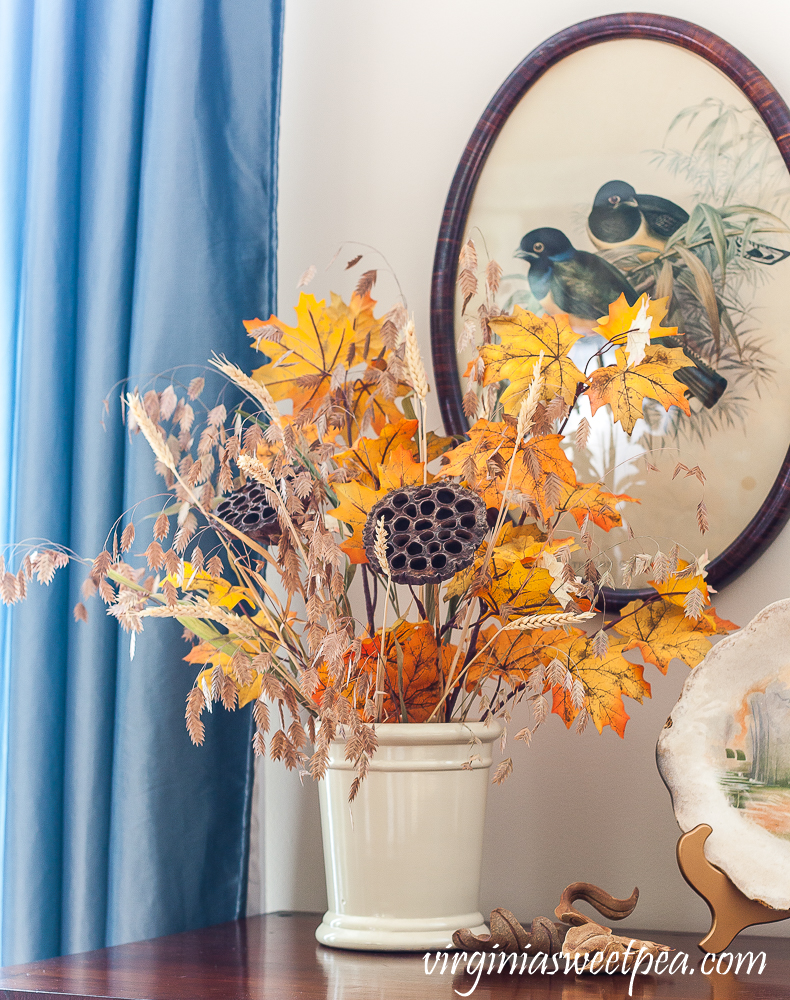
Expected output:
(138, 151)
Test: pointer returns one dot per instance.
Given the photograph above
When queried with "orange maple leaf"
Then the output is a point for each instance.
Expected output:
(523, 337)
(541, 470)
(625, 388)
(412, 686)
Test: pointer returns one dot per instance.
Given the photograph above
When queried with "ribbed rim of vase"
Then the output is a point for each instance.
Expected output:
(433, 733)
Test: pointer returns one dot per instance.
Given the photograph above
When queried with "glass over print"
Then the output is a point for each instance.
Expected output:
(637, 166)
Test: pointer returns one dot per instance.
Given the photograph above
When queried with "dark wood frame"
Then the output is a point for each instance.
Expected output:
(775, 510)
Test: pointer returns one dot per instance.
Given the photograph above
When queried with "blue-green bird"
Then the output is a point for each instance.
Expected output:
(564, 279)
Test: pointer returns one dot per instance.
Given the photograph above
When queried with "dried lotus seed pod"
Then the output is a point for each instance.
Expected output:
(433, 531)
(248, 510)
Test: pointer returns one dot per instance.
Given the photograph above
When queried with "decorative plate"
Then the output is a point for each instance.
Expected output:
(724, 755)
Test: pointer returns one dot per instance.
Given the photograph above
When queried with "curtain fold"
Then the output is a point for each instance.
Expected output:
(137, 229)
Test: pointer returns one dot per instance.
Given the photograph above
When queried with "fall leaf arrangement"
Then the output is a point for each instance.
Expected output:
(337, 564)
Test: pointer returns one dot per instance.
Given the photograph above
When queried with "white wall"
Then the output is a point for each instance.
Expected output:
(379, 99)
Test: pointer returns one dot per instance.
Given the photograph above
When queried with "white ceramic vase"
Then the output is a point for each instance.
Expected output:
(403, 861)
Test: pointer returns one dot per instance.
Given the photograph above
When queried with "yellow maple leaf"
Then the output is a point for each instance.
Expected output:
(356, 500)
(525, 541)
(368, 454)
(305, 357)
(359, 314)
(518, 587)
(523, 337)
(244, 692)
(677, 590)
(512, 654)
(625, 388)
(438, 444)
(366, 400)
(661, 632)
(399, 470)
(621, 318)
(606, 681)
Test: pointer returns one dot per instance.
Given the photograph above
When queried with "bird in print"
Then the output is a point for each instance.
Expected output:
(566, 280)
(621, 217)
(581, 284)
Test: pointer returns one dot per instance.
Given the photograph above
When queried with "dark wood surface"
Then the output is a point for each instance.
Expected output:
(775, 510)
(276, 957)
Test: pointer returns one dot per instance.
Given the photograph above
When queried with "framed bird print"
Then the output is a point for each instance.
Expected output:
(636, 166)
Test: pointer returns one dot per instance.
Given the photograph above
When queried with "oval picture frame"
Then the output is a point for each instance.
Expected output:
(773, 513)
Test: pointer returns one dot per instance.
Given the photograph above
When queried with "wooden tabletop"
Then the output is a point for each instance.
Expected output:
(276, 957)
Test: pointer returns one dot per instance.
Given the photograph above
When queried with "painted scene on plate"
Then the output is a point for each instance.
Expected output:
(755, 760)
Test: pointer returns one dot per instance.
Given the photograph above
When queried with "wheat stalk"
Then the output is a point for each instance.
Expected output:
(549, 621)
(255, 389)
(419, 381)
(414, 364)
(530, 402)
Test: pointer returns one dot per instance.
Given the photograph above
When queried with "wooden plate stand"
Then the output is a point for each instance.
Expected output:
(731, 911)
